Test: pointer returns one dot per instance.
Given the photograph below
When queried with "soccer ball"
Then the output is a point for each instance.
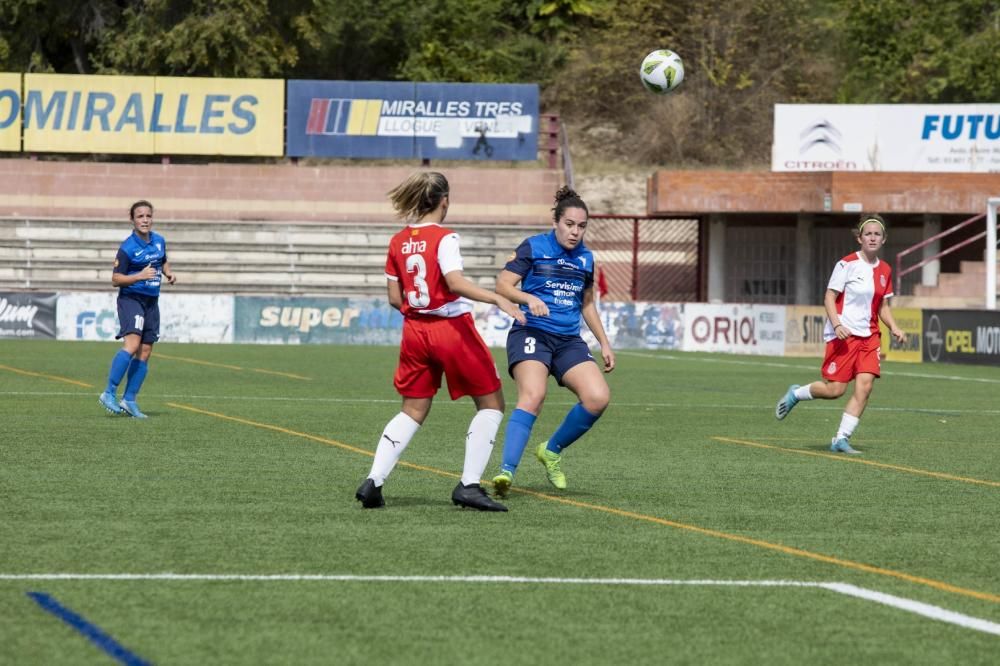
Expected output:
(661, 71)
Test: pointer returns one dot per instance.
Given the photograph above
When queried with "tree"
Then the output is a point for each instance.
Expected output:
(52, 35)
(921, 51)
(739, 61)
(440, 40)
(232, 38)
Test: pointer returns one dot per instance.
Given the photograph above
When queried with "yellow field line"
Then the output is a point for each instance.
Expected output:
(305, 435)
(861, 461)
(788, 550)
(45, 376)
(283, 374)
(232, 367)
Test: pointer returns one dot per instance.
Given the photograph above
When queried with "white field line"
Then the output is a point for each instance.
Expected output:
(918, 607)
(900, 603)
(801, 366)
(463, 404)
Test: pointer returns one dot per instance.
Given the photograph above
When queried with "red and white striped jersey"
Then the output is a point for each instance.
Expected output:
(419, 257)
(862, 287)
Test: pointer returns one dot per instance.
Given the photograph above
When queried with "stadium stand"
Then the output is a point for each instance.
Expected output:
(266, 257)
(232, 228)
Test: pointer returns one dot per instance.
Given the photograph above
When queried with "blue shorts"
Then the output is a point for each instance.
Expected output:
(559, 353)
(139, 315)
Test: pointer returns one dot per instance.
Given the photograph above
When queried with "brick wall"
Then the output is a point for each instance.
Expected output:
(80, 190)
(702, 192)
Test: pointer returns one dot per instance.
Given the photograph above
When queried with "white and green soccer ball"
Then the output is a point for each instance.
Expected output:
(661, 71)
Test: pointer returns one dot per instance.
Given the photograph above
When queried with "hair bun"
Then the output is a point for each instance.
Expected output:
(566, 193)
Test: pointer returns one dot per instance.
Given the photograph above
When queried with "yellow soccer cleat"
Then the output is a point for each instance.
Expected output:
(502, 483)
(551, 461)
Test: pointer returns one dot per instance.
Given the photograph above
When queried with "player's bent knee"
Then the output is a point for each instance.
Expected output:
(596, 402)
(833, 390)
(490, 401)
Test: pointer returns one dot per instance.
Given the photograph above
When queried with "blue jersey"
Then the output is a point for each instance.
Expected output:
(134, 255)
(557, 276)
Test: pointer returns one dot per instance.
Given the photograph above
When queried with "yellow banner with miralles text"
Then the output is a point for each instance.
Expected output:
(153, 115)
(10, 112)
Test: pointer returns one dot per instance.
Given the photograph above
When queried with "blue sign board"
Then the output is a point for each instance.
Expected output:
(405, 120)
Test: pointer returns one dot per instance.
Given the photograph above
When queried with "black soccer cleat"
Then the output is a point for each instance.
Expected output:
(474, 497)
(370, 495)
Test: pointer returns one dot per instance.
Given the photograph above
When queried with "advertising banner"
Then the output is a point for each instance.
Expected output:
(147, 115)
(628, 325)
(640, 325)
(221, 116)
(183, 317)
(804, 330)
(886, 137)
(10, 112)
(405, 120)
(27, 315)
(291, 320)
(492, 323)
(961, 336)
(911, 321)
(734, 328)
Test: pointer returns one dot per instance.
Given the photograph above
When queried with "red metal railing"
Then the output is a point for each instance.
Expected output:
(549, 138)
(900, 271)
(641, 258)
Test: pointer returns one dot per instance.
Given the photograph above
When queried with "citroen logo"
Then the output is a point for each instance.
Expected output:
(820, 133)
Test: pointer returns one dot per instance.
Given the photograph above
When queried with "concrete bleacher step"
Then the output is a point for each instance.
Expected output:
(967, 285)
(204, 288)
(940, 302)
(244, 257)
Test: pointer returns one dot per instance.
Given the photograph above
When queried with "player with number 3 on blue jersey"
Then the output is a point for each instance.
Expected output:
(140, 266)
(552, 276)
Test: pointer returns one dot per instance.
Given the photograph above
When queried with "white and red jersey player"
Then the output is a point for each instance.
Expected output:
(861, 288)
(439, 334)
(419, 257)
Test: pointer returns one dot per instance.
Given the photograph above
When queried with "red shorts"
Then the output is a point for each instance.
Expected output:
(444, 345)
(846, 359)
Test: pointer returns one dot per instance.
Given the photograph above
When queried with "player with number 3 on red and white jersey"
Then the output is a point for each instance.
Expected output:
(426, 284)
(857, 296)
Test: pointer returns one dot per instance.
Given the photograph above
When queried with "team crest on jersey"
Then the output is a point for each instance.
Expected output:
(832, 368)
(512, 257)
(881, 279)
(414, 232)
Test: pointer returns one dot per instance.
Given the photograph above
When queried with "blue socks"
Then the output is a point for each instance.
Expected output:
(136, 374)
(577, 422)
(119, 364)
(516, 438)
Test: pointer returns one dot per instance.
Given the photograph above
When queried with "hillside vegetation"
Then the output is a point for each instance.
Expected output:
(741, 58)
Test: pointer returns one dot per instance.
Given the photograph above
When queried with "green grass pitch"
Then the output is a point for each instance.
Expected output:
(249, 461)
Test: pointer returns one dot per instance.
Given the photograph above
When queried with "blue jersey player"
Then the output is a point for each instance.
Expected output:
(139, 267)
(552, 276)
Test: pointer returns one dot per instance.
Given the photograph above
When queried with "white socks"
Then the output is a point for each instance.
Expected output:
(847, 425)
(397, 434)
(479, 444)
(803, 393)
(401, 429)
